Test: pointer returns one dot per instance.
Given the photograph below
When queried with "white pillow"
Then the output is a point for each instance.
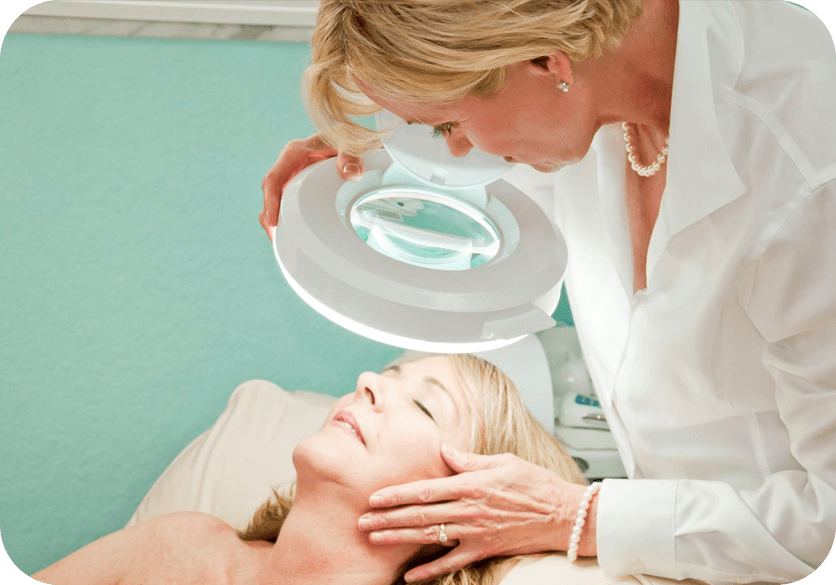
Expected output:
(229, 471)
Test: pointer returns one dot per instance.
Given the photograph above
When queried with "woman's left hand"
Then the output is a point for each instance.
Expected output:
(495, 505)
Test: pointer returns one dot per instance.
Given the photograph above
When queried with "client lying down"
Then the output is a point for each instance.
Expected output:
(389, 431)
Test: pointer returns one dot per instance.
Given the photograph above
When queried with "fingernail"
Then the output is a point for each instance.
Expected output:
(376, 537)
(365, 523)
(353, 169)
(376, 500)
(449, 450)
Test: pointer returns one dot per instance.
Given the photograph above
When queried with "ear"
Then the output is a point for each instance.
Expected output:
(557, 66)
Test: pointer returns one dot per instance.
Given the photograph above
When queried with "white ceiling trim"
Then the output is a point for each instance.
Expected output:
(299, 13)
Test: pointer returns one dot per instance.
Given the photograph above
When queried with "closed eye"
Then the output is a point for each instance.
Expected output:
(424, 408)
(443, 130)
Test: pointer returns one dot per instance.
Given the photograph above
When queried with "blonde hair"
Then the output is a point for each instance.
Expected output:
(502, 424)
(440, 50)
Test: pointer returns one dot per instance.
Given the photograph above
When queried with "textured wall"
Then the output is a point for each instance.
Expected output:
(137, 288)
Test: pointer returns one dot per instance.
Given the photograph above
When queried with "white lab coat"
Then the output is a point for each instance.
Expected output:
(718, 380)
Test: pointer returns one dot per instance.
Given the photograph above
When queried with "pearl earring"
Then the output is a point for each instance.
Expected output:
(563, 86)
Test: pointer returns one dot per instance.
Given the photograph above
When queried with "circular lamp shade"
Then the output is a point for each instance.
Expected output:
(406, 259)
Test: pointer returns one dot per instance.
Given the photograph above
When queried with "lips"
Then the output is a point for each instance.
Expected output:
(347, 419)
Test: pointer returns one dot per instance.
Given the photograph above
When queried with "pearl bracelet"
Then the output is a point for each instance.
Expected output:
(591, 490)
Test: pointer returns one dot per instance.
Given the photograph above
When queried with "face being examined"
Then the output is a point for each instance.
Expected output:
(390, 429)
(529, 121)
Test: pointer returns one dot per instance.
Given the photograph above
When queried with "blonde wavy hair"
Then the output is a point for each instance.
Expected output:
(440, 50)
(502, 425)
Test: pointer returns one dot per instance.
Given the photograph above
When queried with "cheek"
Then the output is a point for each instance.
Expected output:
(506, 130)
(414, 470)
(493, 141)
(461, 439)
(415, 458)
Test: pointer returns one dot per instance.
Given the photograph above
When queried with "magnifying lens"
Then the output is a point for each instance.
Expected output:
(427, 251)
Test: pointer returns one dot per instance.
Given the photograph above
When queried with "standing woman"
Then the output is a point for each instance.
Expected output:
(687, 151)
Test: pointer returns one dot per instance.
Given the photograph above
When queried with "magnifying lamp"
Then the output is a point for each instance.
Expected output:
(427, 251)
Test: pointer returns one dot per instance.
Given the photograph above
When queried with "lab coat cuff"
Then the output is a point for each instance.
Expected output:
(635, 527)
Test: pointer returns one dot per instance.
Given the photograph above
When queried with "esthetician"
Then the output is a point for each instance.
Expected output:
(687, 151)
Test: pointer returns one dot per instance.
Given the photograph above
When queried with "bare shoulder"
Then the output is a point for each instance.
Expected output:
(180, 548)
(187, 528)
(185, 548)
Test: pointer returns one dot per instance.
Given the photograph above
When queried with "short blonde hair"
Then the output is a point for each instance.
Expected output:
(502, 425)
(440, 50)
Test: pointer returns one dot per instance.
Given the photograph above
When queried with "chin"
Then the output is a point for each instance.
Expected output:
(328, 460)
(547, 167)
(324, 459)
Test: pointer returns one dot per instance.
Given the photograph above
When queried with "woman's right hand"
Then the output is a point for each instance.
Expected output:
(495, 505)
(295, 157)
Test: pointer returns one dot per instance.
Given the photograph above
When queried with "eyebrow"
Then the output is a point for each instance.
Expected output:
(430, 381)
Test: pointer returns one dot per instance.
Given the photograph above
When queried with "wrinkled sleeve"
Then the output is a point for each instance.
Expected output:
(783, 530)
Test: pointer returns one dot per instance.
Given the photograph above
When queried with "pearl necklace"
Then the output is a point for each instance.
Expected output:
(649, 170)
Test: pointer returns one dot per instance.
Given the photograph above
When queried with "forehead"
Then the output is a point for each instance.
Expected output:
(430, 113)
(441, 368)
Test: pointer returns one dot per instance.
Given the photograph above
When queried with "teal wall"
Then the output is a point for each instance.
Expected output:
(137, 289)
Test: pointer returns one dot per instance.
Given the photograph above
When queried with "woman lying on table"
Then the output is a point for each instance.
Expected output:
(390, 430)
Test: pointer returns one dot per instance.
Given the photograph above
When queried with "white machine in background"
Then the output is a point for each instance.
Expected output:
(550, 374)
(580, 423)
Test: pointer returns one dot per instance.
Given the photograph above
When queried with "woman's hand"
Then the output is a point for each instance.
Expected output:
(295, 157)
(496, 505)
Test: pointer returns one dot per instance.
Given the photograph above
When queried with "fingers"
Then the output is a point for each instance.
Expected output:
(264, 220)
(416, 516)
(271, 210)
(427, 535)
(271, 187)
(454, 560)
(443, 489)
(350, 167)
(462, 462)
(289, 163)
(418, 492)
(296, 156)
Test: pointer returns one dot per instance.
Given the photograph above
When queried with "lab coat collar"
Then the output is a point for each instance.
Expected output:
(700, 176)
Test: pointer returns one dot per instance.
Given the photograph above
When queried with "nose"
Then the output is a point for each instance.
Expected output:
(458, 144)
(371, 388)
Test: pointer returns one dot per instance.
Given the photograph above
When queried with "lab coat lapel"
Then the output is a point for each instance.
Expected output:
(700, 174)
(608, 147)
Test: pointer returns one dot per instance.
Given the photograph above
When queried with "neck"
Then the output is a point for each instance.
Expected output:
(321, 544)
(637, 78)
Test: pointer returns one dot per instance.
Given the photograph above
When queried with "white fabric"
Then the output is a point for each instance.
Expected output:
(556, 570)
(230, 470)
(718, 380)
